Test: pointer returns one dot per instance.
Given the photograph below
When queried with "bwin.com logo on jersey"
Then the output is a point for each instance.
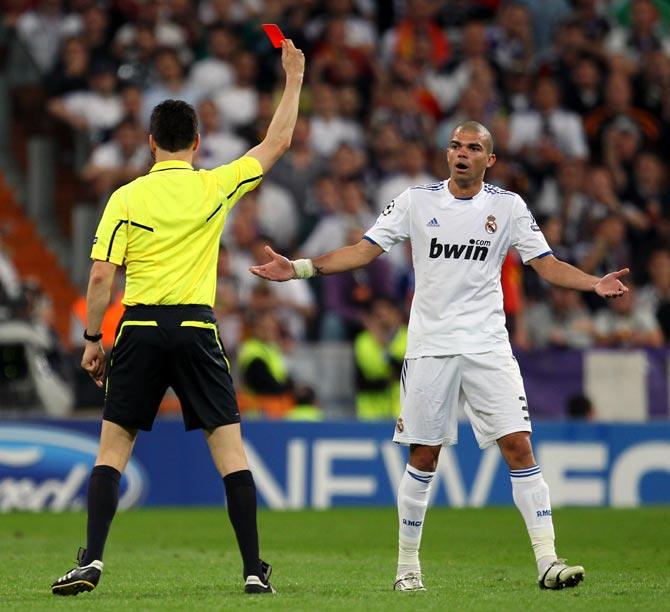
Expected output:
(475, 250)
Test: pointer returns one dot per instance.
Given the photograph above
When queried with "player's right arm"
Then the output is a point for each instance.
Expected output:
(346, 258)
(280, 131)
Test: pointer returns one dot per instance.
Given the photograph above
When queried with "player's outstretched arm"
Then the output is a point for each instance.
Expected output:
(559, 273)
(347, 258)
(280, 131)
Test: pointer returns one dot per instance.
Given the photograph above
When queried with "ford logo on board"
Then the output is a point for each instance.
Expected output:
(47, 468)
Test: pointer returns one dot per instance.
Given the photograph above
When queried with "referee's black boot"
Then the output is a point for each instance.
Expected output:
(80, 579)
(260, 584)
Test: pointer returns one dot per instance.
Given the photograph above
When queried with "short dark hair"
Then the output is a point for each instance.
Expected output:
(173, 125)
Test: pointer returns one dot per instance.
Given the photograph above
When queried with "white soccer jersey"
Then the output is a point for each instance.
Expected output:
(458, 247)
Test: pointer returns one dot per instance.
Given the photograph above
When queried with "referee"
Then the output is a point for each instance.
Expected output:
(165, 228)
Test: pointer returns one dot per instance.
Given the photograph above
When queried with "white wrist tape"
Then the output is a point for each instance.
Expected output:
(303, 268)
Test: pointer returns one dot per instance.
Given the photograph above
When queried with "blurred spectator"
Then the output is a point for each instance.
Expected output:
(652, 83)
(166, 33)
(278, 215)
(306, 406)
(643, 35)
(608, 249)
(238, 103)
(263, 368)
(118, 161)
(217, 147)
(96, 31)
(655, 296)
(297, 170)
(472, 106)
(379, 351)
(346, 296)
(419, 24)
(327, 127)
(295, 306)
(622, 141)
(511, 38)
(349, 211)
(624, 323)
(227, 305)
(71, 71)
(618, 103)
(43, 28)
(579, 408)
(215, 71)
(403, 111)
(547, 134)
(583, 88)
(170, 84)
(137, 57)
(358, 33)
(413, 171)
(561, 322)
(93, 110)
(564, 196)
(110, 321)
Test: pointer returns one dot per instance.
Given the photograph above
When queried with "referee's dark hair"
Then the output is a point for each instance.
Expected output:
(173, 125)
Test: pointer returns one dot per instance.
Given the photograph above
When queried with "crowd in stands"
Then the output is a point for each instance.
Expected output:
(576, 94)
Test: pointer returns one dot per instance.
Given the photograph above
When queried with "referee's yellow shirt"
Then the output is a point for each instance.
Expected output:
(166, 226)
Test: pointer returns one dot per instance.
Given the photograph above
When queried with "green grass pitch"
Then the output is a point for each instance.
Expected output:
(344, 559)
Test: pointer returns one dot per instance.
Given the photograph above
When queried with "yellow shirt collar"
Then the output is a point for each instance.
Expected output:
(171, 164)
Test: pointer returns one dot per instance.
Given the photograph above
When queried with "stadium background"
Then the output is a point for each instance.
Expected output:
(577, 95)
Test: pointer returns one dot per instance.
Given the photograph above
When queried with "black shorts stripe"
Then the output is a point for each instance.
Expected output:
(249, 180)
(111, 241)
(216, 210)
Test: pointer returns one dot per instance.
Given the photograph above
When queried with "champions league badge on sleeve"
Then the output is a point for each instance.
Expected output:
(491, 226)
(389, 209)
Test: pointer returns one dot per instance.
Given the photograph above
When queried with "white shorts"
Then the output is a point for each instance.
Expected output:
(487, 386)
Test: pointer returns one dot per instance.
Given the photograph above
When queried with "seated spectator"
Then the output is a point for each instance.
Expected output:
(306, 406)
(94, 110)
(402, 110)
(227, 305)
(137, 58)
(608, 250)
(327, 128)
(583, 91)
(71, 71)
(624, 323)
(215, 71)
(618, 104)
(171, 83)
(643, 34)
(118, 161)
(547, 134)
(622, 141)
(266, 384)
(358, 33)
(239, 102)
(511, 38)
(277, 214)
(655, 296)
(217, 147)
(379, 351)
(348, 295)
(561, 322)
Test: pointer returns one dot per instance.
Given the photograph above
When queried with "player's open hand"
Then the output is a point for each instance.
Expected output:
(609, 286)
(94, 361)
(279, 269)
(292, 59)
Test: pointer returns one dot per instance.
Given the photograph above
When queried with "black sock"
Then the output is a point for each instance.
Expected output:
(241, 498)
(103, 498)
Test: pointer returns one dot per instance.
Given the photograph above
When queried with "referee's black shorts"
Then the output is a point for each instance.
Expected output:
(157, 347)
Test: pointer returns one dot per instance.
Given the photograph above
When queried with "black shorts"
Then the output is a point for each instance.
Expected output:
(157, 347)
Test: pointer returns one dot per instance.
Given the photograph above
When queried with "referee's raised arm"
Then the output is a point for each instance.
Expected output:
(278, 137)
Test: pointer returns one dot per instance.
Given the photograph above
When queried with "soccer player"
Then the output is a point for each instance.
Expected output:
(458, 351)
(165, 228)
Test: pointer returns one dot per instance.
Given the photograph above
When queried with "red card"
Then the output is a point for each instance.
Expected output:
(274, 34)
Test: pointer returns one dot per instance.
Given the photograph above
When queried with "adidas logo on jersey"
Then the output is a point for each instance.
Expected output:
(433, 223)
(476, 250)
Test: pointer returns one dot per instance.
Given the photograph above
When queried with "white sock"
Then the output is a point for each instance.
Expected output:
(531, 496)
(413, 494)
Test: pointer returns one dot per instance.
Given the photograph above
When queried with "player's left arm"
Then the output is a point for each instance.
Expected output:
(563, 274)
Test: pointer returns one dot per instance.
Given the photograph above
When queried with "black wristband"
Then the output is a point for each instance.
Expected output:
(94, 338)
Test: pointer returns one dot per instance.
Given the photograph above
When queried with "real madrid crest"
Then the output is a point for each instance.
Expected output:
(491, 226)
(400, 425)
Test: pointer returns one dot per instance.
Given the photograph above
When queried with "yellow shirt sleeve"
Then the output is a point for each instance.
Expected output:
(237, 178)
(111, 237)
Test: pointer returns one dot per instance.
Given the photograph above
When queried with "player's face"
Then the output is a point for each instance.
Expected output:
(468, 157)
